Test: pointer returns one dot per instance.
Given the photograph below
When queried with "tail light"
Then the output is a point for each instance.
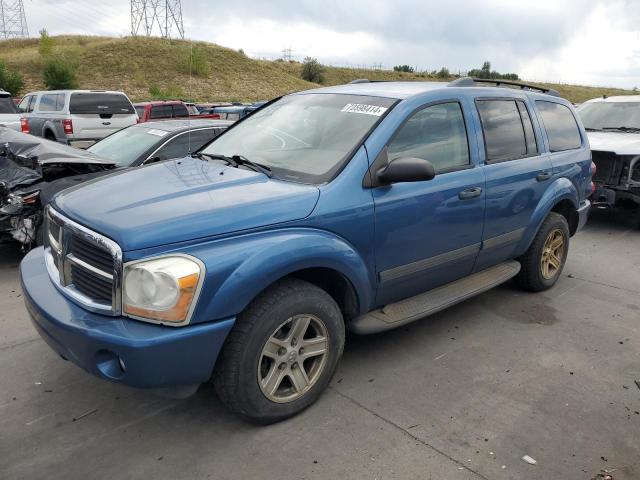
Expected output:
(67, 124)
(24, 125)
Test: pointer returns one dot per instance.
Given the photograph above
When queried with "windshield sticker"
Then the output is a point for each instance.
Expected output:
(157, 133)
(366, 109)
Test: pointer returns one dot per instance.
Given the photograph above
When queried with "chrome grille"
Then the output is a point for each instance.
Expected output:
(83, 264)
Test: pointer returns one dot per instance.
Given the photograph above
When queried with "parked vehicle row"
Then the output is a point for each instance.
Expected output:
(364, 207)
(169, 109)
(33, 170)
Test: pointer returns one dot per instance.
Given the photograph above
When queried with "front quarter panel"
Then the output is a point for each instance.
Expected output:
(240, 267)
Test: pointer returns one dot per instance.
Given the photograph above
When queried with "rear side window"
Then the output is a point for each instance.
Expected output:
(51, 102)
(7, 105)
(436, 133)
(180, 111)
(529, 135)
(100, 103)
(140, 111)
(161, 111)
(26, 105)
(503, 130)
(560, 125)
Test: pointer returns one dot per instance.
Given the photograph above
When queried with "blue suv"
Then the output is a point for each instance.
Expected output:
(363, 207)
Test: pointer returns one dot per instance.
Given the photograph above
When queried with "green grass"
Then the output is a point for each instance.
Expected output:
(136, 64)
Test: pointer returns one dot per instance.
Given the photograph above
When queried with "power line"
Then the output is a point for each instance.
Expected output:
(13, 21)
(161, 16)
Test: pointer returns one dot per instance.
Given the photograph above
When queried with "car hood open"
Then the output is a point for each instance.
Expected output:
(620, 143)
(182, 200)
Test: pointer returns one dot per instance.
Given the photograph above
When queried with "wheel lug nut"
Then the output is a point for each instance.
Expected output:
(282, 366)
(294, 341)
(301, 351)
(282, 351)
(294, 366)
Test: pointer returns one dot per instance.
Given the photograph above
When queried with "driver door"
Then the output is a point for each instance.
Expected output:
(429, 233)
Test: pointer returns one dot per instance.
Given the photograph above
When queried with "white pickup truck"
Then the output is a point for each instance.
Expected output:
(9, 116)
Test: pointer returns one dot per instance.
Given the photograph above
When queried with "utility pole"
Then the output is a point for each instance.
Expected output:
(13, 21)
(162, 16)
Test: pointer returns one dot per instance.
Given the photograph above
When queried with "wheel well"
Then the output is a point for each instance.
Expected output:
(48, 134)
(567, 210)
(335, 284)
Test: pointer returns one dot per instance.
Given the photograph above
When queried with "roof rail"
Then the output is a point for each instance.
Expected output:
(473, 82)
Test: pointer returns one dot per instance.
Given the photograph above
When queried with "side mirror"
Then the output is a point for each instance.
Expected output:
(406, 169)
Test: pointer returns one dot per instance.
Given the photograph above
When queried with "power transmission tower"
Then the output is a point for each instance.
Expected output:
(162, 16)
(286, 54)
(13, 21)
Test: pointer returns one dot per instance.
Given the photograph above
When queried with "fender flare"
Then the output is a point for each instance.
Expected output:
(235, 277)
(561, 189)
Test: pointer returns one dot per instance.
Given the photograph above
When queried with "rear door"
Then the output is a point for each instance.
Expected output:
(517, 174)
(98, 114)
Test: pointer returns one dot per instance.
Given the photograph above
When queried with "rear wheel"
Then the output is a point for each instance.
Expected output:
(282, 352)
(48, 134)
(543, 262)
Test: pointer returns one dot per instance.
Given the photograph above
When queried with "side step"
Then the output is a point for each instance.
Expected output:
(428, 303)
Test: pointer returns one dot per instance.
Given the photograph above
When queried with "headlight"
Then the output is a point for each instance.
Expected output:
(162, 289)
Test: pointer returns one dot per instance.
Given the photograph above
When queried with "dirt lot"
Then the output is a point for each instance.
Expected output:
(461, 395)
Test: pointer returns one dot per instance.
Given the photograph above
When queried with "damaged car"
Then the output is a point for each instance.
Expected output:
(34, 170)
(613, 128)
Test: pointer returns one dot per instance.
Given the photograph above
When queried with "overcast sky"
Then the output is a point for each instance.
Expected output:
(589, 42)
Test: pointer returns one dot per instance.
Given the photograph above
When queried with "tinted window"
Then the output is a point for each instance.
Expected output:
(183, 144)
(7, 105)
(562, 129)
(94, 102)
(48, 102)
(503, 132)
(161, 111)
(435, 133)
(529, 135)
(140, 111)
(180, 111)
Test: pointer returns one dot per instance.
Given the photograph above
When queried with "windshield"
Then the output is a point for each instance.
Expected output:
(304, 138)
(599, 115)
(126, 146)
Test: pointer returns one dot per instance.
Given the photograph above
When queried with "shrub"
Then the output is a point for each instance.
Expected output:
(45, 45)
(312, 70)
(443, 73)
(59, 75)
(486, 73)
(172, 92)
(10, 81)
(403, 68)
(197, 63)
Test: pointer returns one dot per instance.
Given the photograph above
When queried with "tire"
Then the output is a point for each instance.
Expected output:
(533, 276)
(48, 135)
(270, 321)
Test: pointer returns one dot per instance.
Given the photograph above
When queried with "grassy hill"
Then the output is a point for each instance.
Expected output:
(136, 65)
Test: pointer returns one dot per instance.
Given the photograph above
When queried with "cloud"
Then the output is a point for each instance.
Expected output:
(584, 41)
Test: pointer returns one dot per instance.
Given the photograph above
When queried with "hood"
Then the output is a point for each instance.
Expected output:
(183, 200)
(620, 143)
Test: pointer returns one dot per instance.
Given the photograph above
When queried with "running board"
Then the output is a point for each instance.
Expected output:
(428, 303)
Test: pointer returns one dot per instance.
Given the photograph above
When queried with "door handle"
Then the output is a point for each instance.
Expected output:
(542, 176)
(470, 193)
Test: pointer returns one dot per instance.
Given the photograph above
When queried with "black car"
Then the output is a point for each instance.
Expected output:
(33, 170)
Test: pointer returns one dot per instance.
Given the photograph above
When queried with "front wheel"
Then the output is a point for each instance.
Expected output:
(282, 352)
(543, 262)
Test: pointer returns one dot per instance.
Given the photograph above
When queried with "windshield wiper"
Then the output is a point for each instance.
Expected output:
(230, 161)
(623, 129)
(240, 160)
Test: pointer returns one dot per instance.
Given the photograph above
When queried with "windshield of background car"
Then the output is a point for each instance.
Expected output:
(126, 146)
(600, 115)
(304, 138)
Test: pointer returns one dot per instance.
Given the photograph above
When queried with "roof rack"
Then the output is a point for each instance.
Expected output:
(473, 82)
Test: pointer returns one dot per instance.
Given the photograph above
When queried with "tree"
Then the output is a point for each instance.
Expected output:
(10, 81)
(312, 70)
(443, 73)
(403, 68)
(45, 45)
(59, 75)
(486, 73)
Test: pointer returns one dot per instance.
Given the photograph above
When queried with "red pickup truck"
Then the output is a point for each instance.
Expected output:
(166, 110)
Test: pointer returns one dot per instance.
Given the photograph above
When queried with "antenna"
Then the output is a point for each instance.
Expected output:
(161, 16)
(13, 21)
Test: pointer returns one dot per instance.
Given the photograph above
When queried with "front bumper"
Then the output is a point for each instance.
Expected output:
(583, 214)
(117, 348)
